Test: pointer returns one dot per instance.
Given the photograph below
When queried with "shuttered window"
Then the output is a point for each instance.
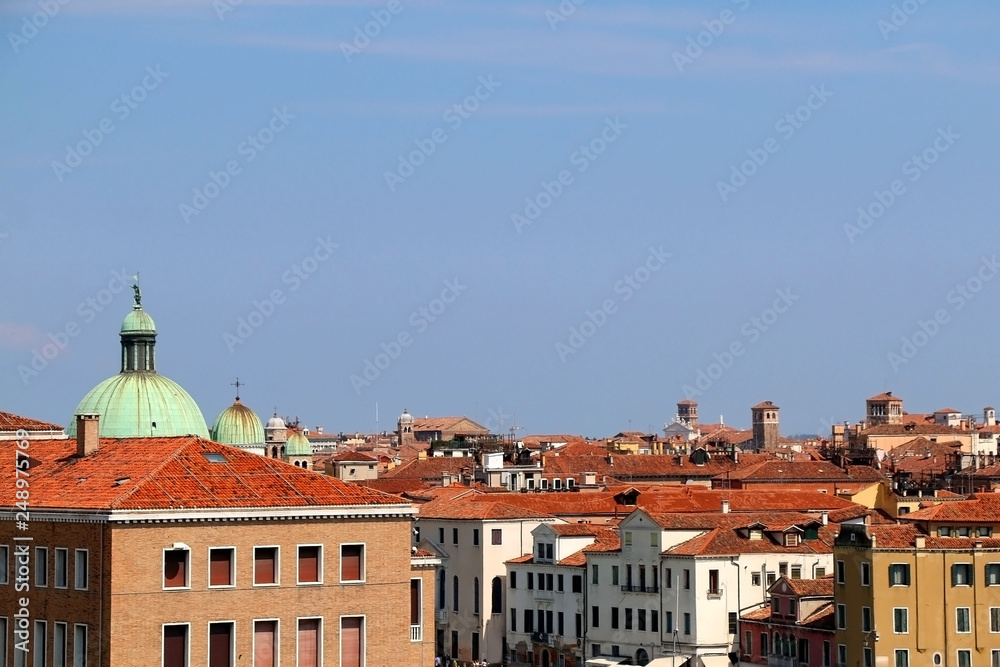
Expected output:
(220, 644)
(175, 568)
(352, 642)
(308, 643)
(175, 639)
(415, 602)
(264, 642)
(265, 565)
(352, 558)
(220, 567)
(309, 565)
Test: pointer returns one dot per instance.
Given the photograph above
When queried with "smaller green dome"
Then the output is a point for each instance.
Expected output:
(238, 425)
(138, 321)
(298, 445)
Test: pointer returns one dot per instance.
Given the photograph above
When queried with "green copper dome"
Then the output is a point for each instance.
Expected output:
(298, 445)
(238, 425)
(138, 321)
(138, 402)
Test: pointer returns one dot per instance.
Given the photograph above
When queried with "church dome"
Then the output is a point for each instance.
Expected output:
(405, 418)
(276, 422)
(138, 402)
(238, 425)
(298, 445)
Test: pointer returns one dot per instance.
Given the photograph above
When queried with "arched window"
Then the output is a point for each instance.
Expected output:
(475, 596)
(454, 593)
(497, 604)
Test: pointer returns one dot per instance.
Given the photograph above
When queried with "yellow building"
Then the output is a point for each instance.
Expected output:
(909, 595)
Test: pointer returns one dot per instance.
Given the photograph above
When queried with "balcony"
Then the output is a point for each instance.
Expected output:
(783, 661)
(441, 615)
(416, 633)
(714, 593)
(541, 638)
(544, 595)
(633, 588)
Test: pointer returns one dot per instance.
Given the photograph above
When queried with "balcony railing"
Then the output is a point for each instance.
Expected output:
(784, 661)
(635, 588)
(416, 633)
(714, 593)
(442, 616)
(544, 595)
(540, 637)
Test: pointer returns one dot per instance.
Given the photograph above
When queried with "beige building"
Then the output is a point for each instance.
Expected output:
(913, 594)
(181, 551)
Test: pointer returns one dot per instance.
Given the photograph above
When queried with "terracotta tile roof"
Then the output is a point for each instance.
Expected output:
(907, 429)
(580, 448)
(606, 542)
(175, 473)
(764, 406)
(821, 619)
(424, 553)
(578, 559)
(448, 508)
(521, 560)
(812, 588)
(946, 410)
(762, 614)
(577, 529)
(894, 536)
(393, 486)
(431, 468)
(727, 542)
(445, 424)
(354, 456)
(885, 396)
(11, 422)
(979, 507)
(788, 471)
(646, 466)
(864, 474)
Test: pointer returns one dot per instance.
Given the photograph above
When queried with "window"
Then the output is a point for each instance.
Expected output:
(529, 620)
(595, 649)
(496, 598)
(687, 623)
(775, 605)
(559, 582)
(640, 620)
(220, 566)
(265, 643)
(79, 645)
(654, 620)
(842, 654)
(4, 559)
(548, 582)
(628, 619)
(944, 531)
(628, 538)
(58, 645)
(307, 642)
(595, 616)
(993, 574)
(175, 568)
(352, 562)
(614, 575)
(962, 623)
(561, 628)
(41, 567)
(841, 617)
(826, 654)
(475, 596)
(497, 536)
(900, 620)
(866, 574)
(755, 578)
(771, 578)
(475, 537)
(579, 626)
(733, 621)
(62, 568)
(791, 539)
(763, 644)
(869, 657)
(983, 531)
(668, 621)
(531, 581)
(548, 551)
(782, 569)
(513, 619)
(820, 572)
(994, 619)
(668, 577)
(791, 607)
(577, 583)
(687, 579)
(265, 566)
(841, 572)
(175, 645)
(899, 574)
(964, 657)
(593, 574)
(803, 651)
(866, 619)
(440, 535)
(39, 648)
(654, 539)
(220, 644)
(548, 621)
(3, 642)
(796, 572)
(513, 579)
(454, 535)
(454, 593)
(961, 574)
(310, 570)
(995, 658)
(748, 643)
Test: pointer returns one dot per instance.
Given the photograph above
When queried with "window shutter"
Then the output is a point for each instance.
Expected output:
(308, 641)
(174, 563)
(263, 643)
(175, 646)
(219, 640)
(264, 566)
(309, 564)
(350, 562)
(350, 642)
(220, 567)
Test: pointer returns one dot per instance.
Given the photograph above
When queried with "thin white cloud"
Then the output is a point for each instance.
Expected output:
(17, 336)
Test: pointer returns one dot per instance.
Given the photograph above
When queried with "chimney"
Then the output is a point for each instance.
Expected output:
(825, 517)
(725, 507)
(88, 434)
(446, 478)
(920, 541)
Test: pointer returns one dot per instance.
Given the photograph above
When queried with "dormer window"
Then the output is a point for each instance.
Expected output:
(756, 534)
(791, 539)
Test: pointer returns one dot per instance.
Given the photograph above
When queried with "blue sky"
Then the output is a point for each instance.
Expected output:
(680, 194)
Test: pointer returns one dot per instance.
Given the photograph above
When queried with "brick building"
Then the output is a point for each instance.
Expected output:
(181, 551)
